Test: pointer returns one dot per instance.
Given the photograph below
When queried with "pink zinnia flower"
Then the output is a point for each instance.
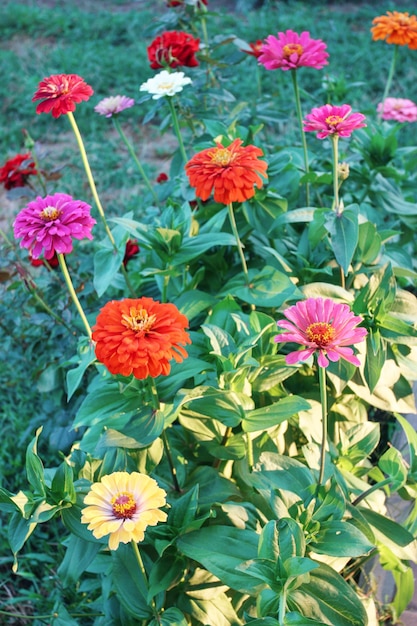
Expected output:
(289, 51)
(48, 225)
(60, 93)
(113, 105)
(398, 109)
(323, 327)
(333, 120)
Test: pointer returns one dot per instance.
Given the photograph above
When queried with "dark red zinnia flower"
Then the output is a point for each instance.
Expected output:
(17, 170)
(52, 262)
(132, 249)
(173, 49)
(162, 177)
(60, 93)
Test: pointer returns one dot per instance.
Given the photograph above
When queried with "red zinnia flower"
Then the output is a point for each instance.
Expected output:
(16, 171)
(60, 93)
(289, 51)
(162, 177)
(173, 49)
(396, 28)
(255, 48)
(140, 336)
(333, 120)
(179, 3)
(231, 172)
(52, 262)
(132, 249)
(323, 327)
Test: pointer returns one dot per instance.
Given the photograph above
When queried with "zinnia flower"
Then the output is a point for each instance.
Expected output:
(396, 28)
(198, 4)
(254, 49)
(52, 262)
(173, 49)
(165, 84)
(323, 327)
(122, 505)
(230, 171)
(16, 171)
(48, 225)
(398, 109)
(333, 120)
(140, 336)
(289, 51)
(60, 93)
(132, 249)
(162, 178)
(113, 105)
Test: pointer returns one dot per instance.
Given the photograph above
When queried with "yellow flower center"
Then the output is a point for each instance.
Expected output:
(138, 320)
(166, 86)
(221, 156)
(124, 505)
(333, 120)
(292, 48)
(50, 213)
(320, 333)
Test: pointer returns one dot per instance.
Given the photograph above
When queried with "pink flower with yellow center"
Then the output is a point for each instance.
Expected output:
(289, 51)
(333, 120)
(122, 505)
(48, 225)
(398, 109)
(323, 327)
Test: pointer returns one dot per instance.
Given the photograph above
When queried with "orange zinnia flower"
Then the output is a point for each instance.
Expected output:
(396, 28)
(140, 336)
(231, 172)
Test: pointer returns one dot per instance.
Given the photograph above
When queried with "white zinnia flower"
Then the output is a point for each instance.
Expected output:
(165, 84)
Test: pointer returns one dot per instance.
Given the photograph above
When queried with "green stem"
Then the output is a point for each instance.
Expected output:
(371, 489)
(282, 606)
(303, 135)
(90, 176)
(170, 462)
(238, 242)
(135, 158)
(391, 73)
(127, 281)
(74, 296)
(144, 574)
(323, 399)
(249, 451)
(335, 145)
(177, 130)
(223, 442)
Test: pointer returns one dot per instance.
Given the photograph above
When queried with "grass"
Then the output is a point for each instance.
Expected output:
(105, 42)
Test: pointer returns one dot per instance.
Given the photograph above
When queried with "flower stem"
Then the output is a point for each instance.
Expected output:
(64, 268)
(282, 606)
(323, 399)
(303, 136)
(90, 176)
(144, 574)
(390, 73)
(135, 158)
(170, 462)
(238, 242)
(177, 130)
(371, 489)
(335, 145)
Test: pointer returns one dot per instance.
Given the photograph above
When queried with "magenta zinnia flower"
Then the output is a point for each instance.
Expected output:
(333, 120)
(323, 327)
(113, 105)
(398, 109)
(48, 225)
(60, 93)
(289, 51)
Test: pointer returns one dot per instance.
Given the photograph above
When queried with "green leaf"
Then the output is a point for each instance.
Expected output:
(275, 471)
(375, 359)
(339, 538)
(141, 430)
(273, 414)
(393, 465)
(329, 598)
(344, 232)
(293, 618)
(404, 592)
(75, 375)
(192, 303)
(170, 617)
(267, 288)
(388, 528)
(107, 262)
(221, 549)
(291, 540)
(226, 406)
(62, 487)
(194, 247)
(411, 435)
(165, 572)
(34, 466)
(369, 243)
(104, 403)
(19, 531)
(78, 556)
(129, 582)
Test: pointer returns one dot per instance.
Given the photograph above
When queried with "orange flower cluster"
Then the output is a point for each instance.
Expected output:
(396, 28)
(231, 172)
(140, 336)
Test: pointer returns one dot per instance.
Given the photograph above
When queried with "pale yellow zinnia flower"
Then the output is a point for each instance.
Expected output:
(122, 505)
